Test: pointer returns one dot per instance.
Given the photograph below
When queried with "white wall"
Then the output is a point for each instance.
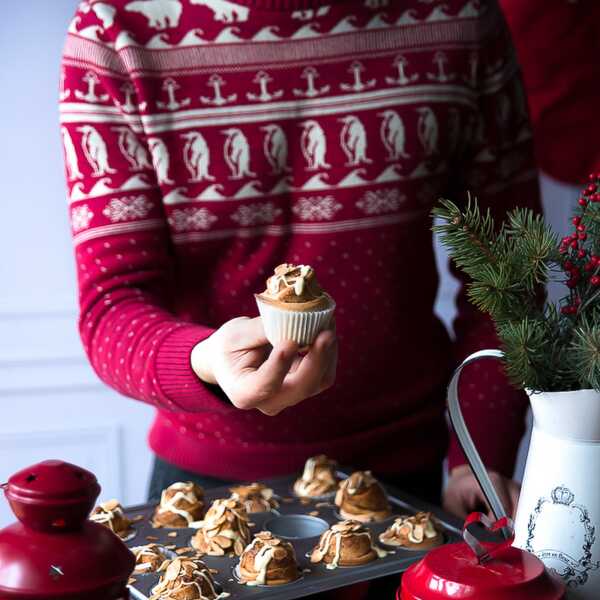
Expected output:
(52, 404)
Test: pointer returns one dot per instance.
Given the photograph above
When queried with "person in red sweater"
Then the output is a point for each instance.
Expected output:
(207, 141)
(558, 47)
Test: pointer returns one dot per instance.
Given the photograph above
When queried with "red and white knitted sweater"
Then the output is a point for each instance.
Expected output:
(207, 141)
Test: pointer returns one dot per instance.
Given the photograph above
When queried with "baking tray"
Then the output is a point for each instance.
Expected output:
(315, 578)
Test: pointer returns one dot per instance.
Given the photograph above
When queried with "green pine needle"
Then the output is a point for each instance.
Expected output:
(545, 350)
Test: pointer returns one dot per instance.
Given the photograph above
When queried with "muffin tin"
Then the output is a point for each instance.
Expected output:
(301, 522)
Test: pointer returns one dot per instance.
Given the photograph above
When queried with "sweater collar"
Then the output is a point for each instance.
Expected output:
(283, 5)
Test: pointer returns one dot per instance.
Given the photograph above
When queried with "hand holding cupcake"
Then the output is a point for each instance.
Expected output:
(255, 374)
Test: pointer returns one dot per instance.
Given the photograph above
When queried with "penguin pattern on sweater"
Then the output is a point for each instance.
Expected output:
(207, 141)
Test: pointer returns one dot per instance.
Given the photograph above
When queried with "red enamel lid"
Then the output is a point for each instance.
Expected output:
(52, 494)
(54, 551)
(482, 571)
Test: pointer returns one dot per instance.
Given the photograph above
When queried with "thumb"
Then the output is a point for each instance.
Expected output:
(248, 333)
(268, 378)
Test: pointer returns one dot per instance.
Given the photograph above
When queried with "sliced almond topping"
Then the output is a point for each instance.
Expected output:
(173, 570)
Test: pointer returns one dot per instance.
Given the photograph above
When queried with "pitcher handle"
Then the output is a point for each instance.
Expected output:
(464, 437)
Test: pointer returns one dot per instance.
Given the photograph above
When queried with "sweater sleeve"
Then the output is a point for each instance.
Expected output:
(125, 263)
(498, 168)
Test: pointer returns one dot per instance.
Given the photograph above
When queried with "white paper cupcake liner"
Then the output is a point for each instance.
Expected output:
(300, 327)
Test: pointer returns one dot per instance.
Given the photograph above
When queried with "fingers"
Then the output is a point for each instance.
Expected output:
(254, 377)
(330, 373)
(308, 376)
(267, 380)
(306, 381)
(514, 489)
(244, 333)
(508, 492)
(454, 504)
(504, 498)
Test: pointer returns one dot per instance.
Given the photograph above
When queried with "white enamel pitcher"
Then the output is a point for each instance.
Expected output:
(558, 517)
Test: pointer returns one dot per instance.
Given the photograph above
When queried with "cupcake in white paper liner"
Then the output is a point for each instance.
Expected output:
(294, 307)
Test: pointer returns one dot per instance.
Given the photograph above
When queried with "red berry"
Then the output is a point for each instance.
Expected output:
(574, 244)
(589, 266)
(565, 310)
(582, 202)
(571, 283)
(595, 280)
(576, 220)
(581, 253)
(582, 236)
(592, 177)
(568, 265)
(590, 189)
(580, 227)
(596, 197)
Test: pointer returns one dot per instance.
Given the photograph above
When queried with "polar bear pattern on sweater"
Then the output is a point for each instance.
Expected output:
(161, 14)
(225, 11)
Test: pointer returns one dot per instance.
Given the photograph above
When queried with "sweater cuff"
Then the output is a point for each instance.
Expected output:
(179, 388)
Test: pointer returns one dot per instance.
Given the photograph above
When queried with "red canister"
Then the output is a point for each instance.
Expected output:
(54, 551)
(480, 571)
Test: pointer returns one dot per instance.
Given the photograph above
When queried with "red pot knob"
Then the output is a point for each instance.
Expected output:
(52, 495)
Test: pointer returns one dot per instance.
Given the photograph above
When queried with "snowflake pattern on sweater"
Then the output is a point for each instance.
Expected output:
(206, 141)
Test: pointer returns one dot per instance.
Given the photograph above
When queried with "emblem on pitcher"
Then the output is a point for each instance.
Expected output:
(573, 566)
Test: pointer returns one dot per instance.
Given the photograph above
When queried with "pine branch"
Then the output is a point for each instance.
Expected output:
(586, 353)
(522, 342)
(534, 246)
(466, 234)
(507, 268)
(546, 348)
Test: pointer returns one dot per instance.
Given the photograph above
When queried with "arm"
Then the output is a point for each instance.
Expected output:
(498, 168)
(125, 268)
(123, 255)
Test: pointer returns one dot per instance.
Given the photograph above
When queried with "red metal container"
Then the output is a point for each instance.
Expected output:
(480, 571)
(54, 551)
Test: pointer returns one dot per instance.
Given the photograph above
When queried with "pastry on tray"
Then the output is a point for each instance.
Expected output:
(417, 532)
(185, 579)
(181, 504)
(294, 306)
(268, 561)
(224, 529)
(362, 498)
(111, 515)
(254, 497)
(345, 544)
(318, 478)
(148, 558)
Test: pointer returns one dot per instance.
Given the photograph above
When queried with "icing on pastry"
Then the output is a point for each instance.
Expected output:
(346, 543)
(224, 529)
(318, 477)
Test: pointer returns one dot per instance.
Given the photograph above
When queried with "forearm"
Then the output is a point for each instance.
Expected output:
(144, 352)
